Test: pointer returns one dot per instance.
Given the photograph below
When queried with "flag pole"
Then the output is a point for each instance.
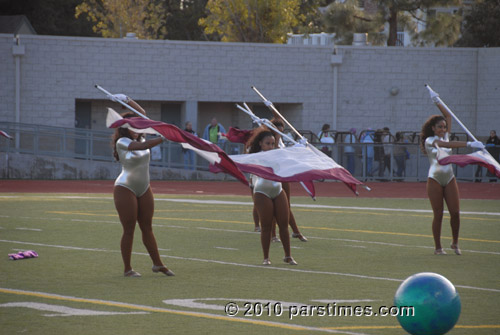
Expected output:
(270, 105)
(122, 103)
(435, 97)
(268, 123)
(265, 122)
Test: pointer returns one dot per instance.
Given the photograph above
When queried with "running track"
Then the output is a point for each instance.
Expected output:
(323, 189)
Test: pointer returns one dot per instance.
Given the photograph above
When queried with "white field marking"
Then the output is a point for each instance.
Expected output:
(170, 226)
(341, 240)
(264, 267)
(200, 303)
(355, 246)
(173, 311)
(163, 249)
(246, 203)
(224, 248)
(220, 202)
(339, 301)
(63, 310)
(252, 232)
(59, 246)
(33, 229)
(93, 221)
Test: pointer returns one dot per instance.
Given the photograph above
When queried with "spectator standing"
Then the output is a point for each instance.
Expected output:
(379, 152)
(368, 150)
(493, 147)
(213, 132)
(400, 153)
(325, 137)
(386, 139)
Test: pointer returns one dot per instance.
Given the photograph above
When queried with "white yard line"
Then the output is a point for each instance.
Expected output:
(144, 308)
(270, 268)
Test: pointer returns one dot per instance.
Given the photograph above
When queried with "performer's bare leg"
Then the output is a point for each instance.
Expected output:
(265, 207)
(452, 198)
(127, 208)
(436, 192)
(255, 215)
(281, 211)
(292, 222)
(145, 219)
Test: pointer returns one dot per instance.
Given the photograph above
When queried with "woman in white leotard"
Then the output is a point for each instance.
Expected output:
(278, 123)
(132, 193)
(270, 200)
(441, 182)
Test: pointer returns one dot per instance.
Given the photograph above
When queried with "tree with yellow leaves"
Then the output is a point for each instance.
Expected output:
(251, 20)
(114, 18)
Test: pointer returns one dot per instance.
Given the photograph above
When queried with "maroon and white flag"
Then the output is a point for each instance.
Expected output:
(4, 134)
(293, 164)
(209, 151)
(482, 158)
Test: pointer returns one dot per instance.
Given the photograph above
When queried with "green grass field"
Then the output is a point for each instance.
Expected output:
(358, 253)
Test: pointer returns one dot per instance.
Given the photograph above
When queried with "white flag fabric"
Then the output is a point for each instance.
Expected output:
(293, 164)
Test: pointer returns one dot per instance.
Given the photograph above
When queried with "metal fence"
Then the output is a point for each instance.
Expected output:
(400, 161)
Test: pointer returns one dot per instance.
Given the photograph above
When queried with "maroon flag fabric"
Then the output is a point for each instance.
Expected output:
(215, 155)
(237, 135)
(482, 158)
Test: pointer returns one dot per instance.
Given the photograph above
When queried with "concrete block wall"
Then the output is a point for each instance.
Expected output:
(368, 75)
(55, 71)
(488, 91)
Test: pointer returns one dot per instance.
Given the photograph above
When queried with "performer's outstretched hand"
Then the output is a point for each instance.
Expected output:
(475, 145)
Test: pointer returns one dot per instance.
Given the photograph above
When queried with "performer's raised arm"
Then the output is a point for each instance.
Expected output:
(446, 115)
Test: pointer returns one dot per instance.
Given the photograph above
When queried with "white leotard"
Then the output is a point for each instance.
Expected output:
(135, 167)
(443, 174)
(269, 188)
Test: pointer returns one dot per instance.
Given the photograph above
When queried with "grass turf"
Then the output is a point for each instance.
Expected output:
(358, 253)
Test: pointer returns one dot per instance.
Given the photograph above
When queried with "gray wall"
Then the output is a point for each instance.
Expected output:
(57, 71)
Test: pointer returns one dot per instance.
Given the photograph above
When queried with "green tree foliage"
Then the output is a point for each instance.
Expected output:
(251, 20)
(482, 25)
(182, 19)
(49, 17)
(442, 29)
(347, 18)
(392, 10)
(114, 18)
(310, 17)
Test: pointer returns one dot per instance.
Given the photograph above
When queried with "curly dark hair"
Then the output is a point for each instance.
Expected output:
(121, 132)
(427, 129)
(253, 144)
